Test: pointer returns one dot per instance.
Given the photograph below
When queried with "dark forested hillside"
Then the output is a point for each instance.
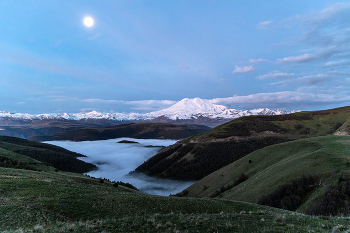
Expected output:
(51, 155)
(137, 130)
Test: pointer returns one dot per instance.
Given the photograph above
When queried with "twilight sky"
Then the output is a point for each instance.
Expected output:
(144, 55)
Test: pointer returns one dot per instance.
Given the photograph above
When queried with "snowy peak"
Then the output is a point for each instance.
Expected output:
(190, 107)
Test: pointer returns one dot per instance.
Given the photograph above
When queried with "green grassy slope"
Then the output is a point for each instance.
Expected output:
(326, 158)
(202, 154)
(32, 201)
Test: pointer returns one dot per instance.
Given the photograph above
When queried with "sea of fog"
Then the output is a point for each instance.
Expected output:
(115, 161)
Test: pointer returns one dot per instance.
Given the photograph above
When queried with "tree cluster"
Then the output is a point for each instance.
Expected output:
(335, 201)
(61, 161)
(11, 163)
(289, 196)
(10, 142)
(128, 185)
(239, 180)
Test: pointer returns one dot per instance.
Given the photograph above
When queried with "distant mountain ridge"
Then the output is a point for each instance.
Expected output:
(134, 130)
(186, 109)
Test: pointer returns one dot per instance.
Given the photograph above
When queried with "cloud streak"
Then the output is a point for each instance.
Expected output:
(244, 69)
(283, 99)
(275, 75)
(314, 79)
(138, 105)
(264, 25)
(337, 63)
(311, 57)
(257, 60)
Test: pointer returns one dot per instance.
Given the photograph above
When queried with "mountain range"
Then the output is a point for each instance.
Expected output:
(195, 111)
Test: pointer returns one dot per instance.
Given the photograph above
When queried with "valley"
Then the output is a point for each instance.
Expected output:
(115, 159)
(245, 168)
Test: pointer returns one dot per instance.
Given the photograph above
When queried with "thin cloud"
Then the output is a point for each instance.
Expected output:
(311, 57)
(314, 79)
(101, 101)
(140, 105)
(276, 75)
(140, 102)
(257, 60)
(244, 69)
(330, 13)
(299, 59)
(149, 102)
(264, 24)
(63, 98)
(61, 66)
(183, 67)
(85, 110)
(280, 99)
(337, 63)
(145, 109)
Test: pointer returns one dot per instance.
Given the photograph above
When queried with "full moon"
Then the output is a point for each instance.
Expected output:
(88, 21)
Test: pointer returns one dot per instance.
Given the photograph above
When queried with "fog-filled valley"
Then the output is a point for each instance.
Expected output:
(115, 160)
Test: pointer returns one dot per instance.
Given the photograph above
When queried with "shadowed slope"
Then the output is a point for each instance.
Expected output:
(138, 130)
(51, 155)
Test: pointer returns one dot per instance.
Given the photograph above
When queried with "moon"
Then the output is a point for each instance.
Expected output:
(88, 21)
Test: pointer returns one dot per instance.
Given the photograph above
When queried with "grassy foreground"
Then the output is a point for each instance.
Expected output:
(32, 201)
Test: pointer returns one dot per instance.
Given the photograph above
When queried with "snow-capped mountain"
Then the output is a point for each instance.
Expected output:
(182, 110)
(189, 108)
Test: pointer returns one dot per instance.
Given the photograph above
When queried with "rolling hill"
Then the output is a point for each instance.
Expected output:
(196, 157)
(36, 197)
(135, 130)
(326, 159)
